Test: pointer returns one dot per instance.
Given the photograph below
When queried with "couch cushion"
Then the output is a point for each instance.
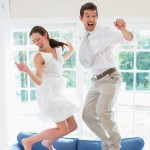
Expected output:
(60, 144)
(66, 144)
(89, 145)
(134, 143)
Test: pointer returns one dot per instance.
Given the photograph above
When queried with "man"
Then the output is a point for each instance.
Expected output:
(96, 54)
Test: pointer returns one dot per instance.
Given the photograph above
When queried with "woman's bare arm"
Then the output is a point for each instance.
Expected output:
(36, 78)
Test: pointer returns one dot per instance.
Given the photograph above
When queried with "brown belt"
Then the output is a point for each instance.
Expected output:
(109, 71)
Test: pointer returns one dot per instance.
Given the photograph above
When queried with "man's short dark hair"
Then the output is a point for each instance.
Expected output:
(87, 6)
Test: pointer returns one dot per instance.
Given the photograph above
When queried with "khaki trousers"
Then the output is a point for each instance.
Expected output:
(98, 110)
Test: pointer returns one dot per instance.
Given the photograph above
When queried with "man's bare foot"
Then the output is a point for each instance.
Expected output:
(48, 144)
(26, 144)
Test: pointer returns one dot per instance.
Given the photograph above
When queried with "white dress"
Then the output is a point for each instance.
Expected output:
(52, 103)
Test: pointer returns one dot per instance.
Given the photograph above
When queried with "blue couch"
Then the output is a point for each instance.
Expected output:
(135, 143)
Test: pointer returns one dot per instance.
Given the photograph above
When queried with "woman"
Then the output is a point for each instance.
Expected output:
(50, 83)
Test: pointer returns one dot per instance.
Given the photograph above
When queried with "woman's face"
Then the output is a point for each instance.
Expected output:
(40, 40)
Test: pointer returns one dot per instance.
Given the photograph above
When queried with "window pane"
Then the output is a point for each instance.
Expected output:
(143, 81)
(68, 36)
(24, 80)
(54, 35)
(21, 80)
(71, 62)
(126, 60)
(17, 80)
(127, 46)
(32, 84)
(20, 38)
(22, 95)
(143, 39)
(30, 42)
(143, 60)
(32, 95)
(71, 78)
(128, 80)
(31, 57)
(20, 56)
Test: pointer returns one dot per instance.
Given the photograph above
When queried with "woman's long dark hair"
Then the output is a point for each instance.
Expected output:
(53, 43)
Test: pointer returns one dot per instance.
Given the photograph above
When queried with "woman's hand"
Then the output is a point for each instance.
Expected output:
(70, 47)
(22, 67)
(69, 52)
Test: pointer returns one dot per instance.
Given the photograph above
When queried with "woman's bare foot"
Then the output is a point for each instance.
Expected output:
(48, 144)
(26, 144)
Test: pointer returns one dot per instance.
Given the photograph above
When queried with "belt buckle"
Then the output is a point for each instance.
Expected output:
(94, 78)
(100, 75)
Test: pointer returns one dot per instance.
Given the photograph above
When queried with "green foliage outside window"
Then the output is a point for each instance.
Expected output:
(143, 60)
(71, 78)
(20, 38)
(71, 62)
(24, 80)
(55, 35)
(143, 81)
(32, 95)
(20, 56)
(128, 80)
(143, 39)
(31, 59)
(68, 36)
(23, 95)
(126, 60)
(32, 84)
(127, 46)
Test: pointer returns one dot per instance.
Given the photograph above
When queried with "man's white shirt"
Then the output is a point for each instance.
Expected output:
(99, 50)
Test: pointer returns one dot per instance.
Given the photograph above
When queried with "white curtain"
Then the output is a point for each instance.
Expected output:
(7, 86)
(3, 124)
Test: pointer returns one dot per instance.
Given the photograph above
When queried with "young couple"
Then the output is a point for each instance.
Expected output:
(96, 54)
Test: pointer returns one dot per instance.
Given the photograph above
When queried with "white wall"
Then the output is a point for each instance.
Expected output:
(70, 8)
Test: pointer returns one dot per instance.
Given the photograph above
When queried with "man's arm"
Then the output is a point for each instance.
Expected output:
(121, 25)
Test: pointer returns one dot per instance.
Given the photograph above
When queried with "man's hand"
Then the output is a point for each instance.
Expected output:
(120, 24)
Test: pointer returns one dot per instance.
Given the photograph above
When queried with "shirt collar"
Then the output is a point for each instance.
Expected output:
(97, 27)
